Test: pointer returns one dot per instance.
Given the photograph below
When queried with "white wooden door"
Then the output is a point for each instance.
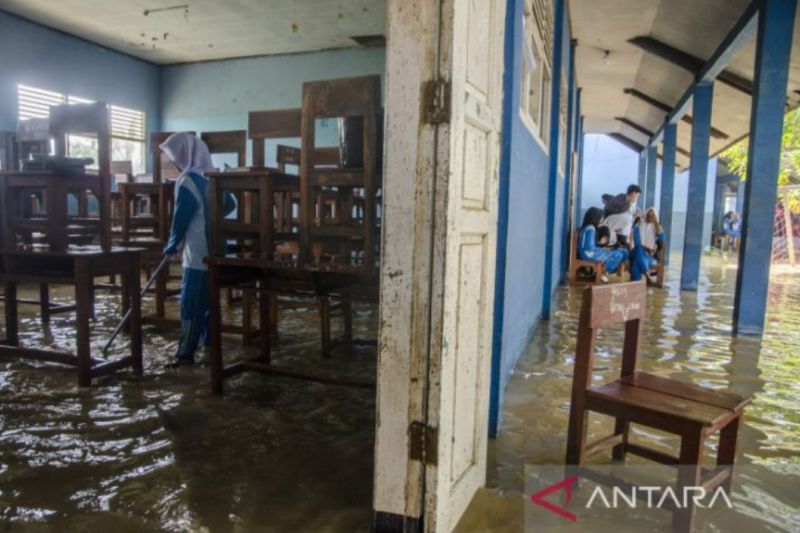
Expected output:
(458, 395)
(443, 121)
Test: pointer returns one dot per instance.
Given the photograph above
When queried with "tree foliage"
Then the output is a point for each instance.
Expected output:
(735, 157)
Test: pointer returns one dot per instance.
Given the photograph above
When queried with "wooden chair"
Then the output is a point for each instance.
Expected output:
(348, 241)
(689, 411)
(576, 263)
(122, 172)
(661, 267)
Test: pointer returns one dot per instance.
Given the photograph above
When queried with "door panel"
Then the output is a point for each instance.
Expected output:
(458, 397)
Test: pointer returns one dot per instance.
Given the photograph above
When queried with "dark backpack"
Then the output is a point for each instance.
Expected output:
(618, 204)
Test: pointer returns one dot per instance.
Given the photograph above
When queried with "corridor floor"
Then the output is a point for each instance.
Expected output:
(687, 336)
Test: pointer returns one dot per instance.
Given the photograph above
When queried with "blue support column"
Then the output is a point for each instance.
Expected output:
(566, 227)
(650, 183)
(579, 174)
(668, 184)
(555, 122)
(642, 176)
(698, 174)
(773, 49)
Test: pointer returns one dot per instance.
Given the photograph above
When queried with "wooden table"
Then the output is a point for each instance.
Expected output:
(55, 223)
(76, 266)
(263, 184)
(284, 277)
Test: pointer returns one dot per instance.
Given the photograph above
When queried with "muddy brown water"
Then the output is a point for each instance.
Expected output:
(160, 453)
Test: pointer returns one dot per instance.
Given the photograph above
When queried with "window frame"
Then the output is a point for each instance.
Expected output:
(536, 75)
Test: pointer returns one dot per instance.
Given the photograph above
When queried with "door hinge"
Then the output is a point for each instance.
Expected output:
(423, 443)
(436, 102)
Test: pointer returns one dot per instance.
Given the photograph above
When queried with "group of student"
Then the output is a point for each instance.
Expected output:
(619, 233)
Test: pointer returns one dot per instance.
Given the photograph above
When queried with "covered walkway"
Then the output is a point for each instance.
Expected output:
(688, 337)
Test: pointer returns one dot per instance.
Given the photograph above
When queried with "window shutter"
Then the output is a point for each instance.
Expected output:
(127, 123)
(35, 103)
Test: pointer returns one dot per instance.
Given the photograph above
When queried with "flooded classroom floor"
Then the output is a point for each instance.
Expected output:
(161, 453)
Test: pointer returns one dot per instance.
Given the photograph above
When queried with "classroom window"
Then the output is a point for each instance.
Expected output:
(536, 68)
(562, 127)
(128, 126)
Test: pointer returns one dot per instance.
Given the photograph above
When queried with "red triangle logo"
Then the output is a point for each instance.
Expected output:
(566, 484)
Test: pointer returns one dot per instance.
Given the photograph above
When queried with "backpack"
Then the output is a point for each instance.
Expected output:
(618, 204)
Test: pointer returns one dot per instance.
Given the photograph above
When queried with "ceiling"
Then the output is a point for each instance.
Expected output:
(165, 32)
(692, 26)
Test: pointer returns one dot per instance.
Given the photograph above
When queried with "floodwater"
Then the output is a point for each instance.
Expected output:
(161, 453)
(687, 336)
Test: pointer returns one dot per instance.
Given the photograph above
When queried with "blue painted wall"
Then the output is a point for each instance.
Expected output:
(34, 55)
(217, 95)
(525, 172)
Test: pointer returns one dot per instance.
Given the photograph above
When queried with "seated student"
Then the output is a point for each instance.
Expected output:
(731, 226)
(652, 232)
(619, 213)
(588, 249)
(642, 261)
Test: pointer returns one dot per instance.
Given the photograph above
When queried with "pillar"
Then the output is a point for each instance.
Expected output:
(580, 138)
(642, 176)
(555, 124)
(668, 184)
(698, 174)
(650, 181)
(566, 227)
(773, 49)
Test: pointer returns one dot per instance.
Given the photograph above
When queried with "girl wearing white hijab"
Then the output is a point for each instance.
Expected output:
(190, 230)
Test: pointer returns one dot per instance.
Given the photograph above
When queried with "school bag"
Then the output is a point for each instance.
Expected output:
(618, 204)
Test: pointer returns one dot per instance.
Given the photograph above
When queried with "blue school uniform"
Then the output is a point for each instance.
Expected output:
(641, 261)
(589, 251)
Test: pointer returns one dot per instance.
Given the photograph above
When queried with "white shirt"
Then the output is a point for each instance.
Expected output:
(618, 223)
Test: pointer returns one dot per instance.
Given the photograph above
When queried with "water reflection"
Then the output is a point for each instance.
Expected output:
(687, 336)
(160, 453)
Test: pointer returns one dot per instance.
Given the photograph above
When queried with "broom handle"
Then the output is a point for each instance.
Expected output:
(164, 262)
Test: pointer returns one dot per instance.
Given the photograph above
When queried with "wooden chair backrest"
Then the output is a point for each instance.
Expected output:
(227, 142)
(291, 155)
(272, 124)
(606, 305)
(83, 119)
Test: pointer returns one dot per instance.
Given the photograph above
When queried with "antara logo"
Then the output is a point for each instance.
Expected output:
(648, 497)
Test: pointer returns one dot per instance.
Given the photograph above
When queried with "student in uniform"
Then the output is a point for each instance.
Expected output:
(590, 248)
(189, 231)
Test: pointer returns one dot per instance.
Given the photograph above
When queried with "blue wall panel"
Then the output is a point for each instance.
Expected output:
(34, 55)
(526, 225)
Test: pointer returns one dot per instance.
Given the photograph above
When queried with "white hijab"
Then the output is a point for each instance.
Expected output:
(188, 152)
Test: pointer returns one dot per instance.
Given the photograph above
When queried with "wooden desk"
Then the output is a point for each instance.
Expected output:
(77, 266)
(55, 223)
(263, 184)
(270, 277)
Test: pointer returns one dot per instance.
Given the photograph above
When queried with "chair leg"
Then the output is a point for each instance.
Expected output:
(44, 300)
(689, 475)
(576, 434)
(726, 453)
(621, 427)
(325, 324)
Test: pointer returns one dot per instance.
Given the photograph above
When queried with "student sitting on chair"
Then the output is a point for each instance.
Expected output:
(652, 232)
(643, 261)
(590, 247)
(190, 156)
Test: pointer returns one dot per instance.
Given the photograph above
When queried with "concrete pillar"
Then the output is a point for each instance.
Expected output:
(650, 181)
(580, 138)
(668, 184)
(566, 227)
(773, 49)
(642, 176)
(555, 124)
(698, 175)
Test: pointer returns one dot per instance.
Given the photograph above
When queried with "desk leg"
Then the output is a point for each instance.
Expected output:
(12, 331)
(325, 324)
(83, 301)
(264, 315)
(347, 312)
(135, 322)
(215, 329)
(161, 292)
(247, 316)
(273, 314)
(44, 301)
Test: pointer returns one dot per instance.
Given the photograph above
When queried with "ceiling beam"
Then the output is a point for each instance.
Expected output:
(689, 62)
(717, 134)
(626, 141)
(634, 125)
(742, 33)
